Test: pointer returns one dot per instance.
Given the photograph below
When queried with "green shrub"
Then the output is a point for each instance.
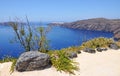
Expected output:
(30, 38)
(13, 65)
(21, 36)
(62, 62)
(118, 43)
(72, 49)
(97, 42)
(9, 59)
(43, 42)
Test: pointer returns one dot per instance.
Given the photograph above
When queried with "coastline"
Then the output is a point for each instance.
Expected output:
(104, 63)
(95, 24)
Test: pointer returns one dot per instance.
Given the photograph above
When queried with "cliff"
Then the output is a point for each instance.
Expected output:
(98, 24)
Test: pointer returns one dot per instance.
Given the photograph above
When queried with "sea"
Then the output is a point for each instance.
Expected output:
(58, 37)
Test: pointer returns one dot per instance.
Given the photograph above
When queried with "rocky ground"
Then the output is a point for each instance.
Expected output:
(105, 63)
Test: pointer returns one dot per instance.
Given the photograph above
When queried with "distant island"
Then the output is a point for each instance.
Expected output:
(97, 24)
(7, 23)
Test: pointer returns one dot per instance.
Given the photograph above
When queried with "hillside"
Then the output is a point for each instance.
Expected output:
(8, 23)
(98, 24)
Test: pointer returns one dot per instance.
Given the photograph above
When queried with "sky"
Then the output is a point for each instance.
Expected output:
(58, 10)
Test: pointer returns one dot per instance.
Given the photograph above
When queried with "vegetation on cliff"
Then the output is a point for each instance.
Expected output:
(97, 42)
(31, 40)
(61, 61)
(60, 58)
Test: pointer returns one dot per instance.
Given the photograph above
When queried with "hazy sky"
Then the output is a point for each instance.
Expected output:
(59, 10)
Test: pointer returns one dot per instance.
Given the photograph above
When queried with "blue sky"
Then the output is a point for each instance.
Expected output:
(58, 10)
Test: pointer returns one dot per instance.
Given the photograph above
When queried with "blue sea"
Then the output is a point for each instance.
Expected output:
(59, 37)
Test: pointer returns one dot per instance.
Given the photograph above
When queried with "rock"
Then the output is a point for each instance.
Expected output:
(113, 46)
(32, 60)
(89, 50)
(78, 51)
(101, 49)
(104, 49)
(72, 55)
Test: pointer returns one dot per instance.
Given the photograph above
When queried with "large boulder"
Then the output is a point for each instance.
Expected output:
(113, 46)
(89, 50)
(32, 60)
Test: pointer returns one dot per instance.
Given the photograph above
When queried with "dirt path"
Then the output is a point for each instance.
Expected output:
(105, 63)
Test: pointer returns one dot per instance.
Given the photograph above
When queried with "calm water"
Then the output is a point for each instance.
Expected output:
(58, 37)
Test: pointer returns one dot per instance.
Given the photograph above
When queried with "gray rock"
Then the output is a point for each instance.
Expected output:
(113, 46)
(78, 51)
(104, 49)
(101, 49)
(72, 55)
(33, 60)
(89, 50)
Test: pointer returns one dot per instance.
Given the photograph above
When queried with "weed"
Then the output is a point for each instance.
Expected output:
(62, 62)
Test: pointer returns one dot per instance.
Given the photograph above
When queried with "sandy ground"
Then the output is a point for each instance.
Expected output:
(106, 63)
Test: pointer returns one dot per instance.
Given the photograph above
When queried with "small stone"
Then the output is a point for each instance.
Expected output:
(78, 51)
(99, 49)
(113, 46)
(72, 55)
(89, 50)
(104, 49)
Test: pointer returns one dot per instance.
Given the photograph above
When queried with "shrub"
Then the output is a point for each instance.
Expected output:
(72, 49)
(29, 38)
(62, 62)
(43, 42)
(118, 43)
(9, 59)
(23, 37)
(97, 42)
(13, 65)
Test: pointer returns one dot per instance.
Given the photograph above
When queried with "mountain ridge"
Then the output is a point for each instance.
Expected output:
(96, 24)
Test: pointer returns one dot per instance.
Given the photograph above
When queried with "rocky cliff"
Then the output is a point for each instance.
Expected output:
(98, 24)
